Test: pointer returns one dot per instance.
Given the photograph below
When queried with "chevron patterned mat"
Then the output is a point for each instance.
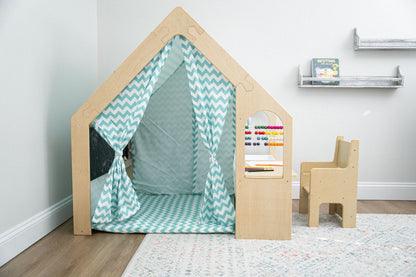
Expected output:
(165, 214)
(381, 245)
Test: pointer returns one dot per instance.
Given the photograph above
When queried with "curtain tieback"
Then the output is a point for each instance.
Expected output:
(212, 157)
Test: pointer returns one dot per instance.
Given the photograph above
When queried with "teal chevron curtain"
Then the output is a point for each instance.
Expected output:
(117, 125)
(211, 94)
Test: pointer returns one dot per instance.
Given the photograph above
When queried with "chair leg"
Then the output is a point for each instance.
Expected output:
(313, 220)
(303, 201)
(349, 215)
(332, 208)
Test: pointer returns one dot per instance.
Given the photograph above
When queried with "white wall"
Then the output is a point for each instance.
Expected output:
(48, 68)
(271, 38)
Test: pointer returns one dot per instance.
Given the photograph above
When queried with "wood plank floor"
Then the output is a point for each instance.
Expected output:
(104, 254)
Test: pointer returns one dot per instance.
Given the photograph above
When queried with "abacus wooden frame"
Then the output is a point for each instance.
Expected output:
(263, 206)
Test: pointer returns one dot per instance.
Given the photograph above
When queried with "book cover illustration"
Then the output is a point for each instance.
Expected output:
(325, 68)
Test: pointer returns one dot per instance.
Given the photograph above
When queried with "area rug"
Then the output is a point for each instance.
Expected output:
(381, 245)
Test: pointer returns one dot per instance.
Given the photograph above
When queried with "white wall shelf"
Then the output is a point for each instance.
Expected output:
(382, 44)
(354, 81)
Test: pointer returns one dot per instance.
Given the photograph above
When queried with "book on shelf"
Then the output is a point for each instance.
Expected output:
(325, 68)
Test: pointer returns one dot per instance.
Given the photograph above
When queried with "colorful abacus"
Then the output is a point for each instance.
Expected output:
(267, 127)
(254, 143)
(271, 136)
(273, 144)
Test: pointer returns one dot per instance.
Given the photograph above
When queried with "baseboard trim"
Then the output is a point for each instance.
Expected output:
(17, 239)
(377, 191)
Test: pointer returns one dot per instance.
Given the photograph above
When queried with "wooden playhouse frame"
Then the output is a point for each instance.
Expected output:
(263, 203)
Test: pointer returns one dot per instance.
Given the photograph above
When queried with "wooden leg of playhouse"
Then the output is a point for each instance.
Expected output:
(314, 204)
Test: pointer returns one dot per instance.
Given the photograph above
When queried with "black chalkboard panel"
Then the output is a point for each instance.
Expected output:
(101, 155)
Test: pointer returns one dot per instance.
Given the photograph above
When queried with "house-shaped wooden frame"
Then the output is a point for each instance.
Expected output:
(264, 202)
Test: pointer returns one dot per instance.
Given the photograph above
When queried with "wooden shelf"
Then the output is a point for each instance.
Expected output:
(354, 81)
(382, 44)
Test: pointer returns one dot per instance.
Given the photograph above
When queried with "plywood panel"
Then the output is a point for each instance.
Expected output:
(251, 97)
(264, 205)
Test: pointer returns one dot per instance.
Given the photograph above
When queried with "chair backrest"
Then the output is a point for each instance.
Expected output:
(346, 153)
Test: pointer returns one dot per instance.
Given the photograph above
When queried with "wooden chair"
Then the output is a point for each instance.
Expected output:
(331, 182)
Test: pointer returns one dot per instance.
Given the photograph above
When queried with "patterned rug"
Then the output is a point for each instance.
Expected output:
(381, 245)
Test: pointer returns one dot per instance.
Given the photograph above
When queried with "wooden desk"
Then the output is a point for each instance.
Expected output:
(264, 202)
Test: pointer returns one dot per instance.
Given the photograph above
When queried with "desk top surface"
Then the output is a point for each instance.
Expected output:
(268, 161)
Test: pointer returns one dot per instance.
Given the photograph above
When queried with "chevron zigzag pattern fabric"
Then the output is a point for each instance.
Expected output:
(233, 99)
(117, 124)
(195, 151)
(210, 92)
(176, 213)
